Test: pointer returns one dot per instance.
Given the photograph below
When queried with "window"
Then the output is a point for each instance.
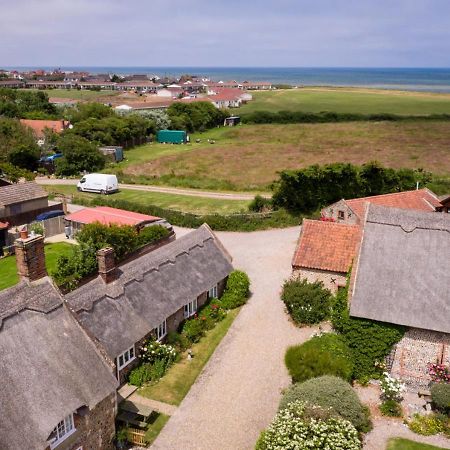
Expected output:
(125, 358)
(190, 309)
(341, 215)
(161, 331)
(62, 431)
(212, 293)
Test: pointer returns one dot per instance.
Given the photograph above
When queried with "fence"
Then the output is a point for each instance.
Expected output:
(52, 226)
(136, 437)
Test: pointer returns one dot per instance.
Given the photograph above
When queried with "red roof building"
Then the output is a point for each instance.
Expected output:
(38, 126)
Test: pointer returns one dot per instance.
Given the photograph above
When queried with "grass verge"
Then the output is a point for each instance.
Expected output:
(405, 444)
(8, 267)
(175, 384)
(155, 428)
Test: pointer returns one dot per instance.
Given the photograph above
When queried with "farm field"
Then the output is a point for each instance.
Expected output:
(248, 157)
(349, 100)
(76, 94)
(197, 205)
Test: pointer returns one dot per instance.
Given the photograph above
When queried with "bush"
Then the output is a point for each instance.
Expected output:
(426, 425)
(306, 303)
(178, 340)
(236, 291)
(369, 341)
(211, 314)
(260, 204)
(330, 392)
(440, 394)
(153, 351)
(151, 234)
(391, 408)
(300, 426)
(147, 372)
(326, 354)
(193, 329)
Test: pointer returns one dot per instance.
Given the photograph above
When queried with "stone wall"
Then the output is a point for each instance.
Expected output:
(412, 354)
(330, 280)
(340, 213)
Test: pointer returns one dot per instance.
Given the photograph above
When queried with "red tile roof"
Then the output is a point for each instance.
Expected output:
(39, 126)
(420, 200)
(326, 246)
(108, 216)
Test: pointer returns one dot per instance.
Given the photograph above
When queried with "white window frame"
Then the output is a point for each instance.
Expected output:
(127, 356)
(213, 292)
(190, 309)
(63, 430)
(161, 330)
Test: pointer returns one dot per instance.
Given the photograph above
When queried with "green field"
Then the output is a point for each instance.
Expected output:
(405, 444)
(197, 205)
(80, 94)
(8, 267)
(250, 156)
(349, 100)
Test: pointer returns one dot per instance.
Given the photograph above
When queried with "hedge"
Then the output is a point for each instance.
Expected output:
(330, 392)
(326, 354)
(440, 395)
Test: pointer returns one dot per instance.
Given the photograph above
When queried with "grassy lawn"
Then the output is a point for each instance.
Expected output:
(350, 100)
(405, 444)
(8, 265)
(175, 384)
(248, 157)
(185, 203)
(76, 94)
(155, 427)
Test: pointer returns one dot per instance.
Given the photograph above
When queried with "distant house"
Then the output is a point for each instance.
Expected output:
(401, 276)
(60, 391)
(39, 127)
(150, 295)
(352, 211)
(325, 252)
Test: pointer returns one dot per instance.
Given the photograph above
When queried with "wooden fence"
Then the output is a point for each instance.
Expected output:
(136, 437)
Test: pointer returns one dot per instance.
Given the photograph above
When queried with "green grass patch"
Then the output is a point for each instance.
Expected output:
(155, 427)
(8, 267)
(185, 203)
(348, 100)
(76, 94)
(175, 384)
(405, 444)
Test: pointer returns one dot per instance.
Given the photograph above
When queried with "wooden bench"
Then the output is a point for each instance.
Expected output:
(130, 418)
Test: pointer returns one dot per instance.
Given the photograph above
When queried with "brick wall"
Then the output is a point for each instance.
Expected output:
(330, 280)
(417, 349)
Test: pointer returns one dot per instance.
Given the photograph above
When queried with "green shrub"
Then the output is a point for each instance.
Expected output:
(211, 314)
(300, 426)
(440, 394)
(140, 375)
(178, 340)
(306, 303)
(330, 392)
(391, 408)
(260, 204)
(426, 425)
(193, 329)
(237, 290)
(151, 234)
(369, 341)
(326, 354)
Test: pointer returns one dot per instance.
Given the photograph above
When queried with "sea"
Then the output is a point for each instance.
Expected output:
(414, 79)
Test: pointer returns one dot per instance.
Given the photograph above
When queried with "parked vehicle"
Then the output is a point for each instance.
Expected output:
(102, 183)
(49, 215)
(50, 158)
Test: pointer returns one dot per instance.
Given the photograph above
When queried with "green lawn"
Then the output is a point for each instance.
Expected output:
(155, 427)
(350, 100)
(8, 265)
(185, 203)
(80, 94)
(175, 384)
(405, 444)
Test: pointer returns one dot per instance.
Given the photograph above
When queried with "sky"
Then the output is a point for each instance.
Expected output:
(224, 33)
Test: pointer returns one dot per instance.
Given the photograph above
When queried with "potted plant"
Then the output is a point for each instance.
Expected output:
(121, 438)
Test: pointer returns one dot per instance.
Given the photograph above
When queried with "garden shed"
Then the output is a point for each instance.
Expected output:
(172, 136)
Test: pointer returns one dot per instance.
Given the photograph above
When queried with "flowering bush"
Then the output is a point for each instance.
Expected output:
(153, 351)
(301, 426)
(391, 388)
(426, 425)
(439, 373)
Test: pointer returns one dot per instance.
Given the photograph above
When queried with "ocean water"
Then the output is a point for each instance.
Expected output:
(415, 79)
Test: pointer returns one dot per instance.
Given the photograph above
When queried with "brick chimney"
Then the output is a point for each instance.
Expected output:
(30, 256)
(107, 264)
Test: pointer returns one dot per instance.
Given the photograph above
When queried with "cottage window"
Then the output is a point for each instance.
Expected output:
(62, 431)
(125, 358)
(190, 309)
(161, 331)
(341, 215)
(212, 293)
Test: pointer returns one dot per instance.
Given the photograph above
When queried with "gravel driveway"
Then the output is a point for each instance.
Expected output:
(237, 394)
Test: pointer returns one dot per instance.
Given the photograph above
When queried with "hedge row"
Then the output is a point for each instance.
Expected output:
(234, 222)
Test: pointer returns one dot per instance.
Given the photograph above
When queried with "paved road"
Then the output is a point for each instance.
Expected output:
(237, 394)
(161, 189)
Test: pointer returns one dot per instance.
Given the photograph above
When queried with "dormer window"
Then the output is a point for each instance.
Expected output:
(62, 431)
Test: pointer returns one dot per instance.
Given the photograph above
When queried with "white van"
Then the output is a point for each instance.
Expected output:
(102, 183)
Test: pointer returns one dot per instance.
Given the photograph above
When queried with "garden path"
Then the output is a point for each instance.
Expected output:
(237, 394)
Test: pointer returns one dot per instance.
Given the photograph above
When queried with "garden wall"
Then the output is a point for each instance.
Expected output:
(330, 280)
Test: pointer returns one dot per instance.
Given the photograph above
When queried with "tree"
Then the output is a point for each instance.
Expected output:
(86, 111)
(24, 157)
(79, 155)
